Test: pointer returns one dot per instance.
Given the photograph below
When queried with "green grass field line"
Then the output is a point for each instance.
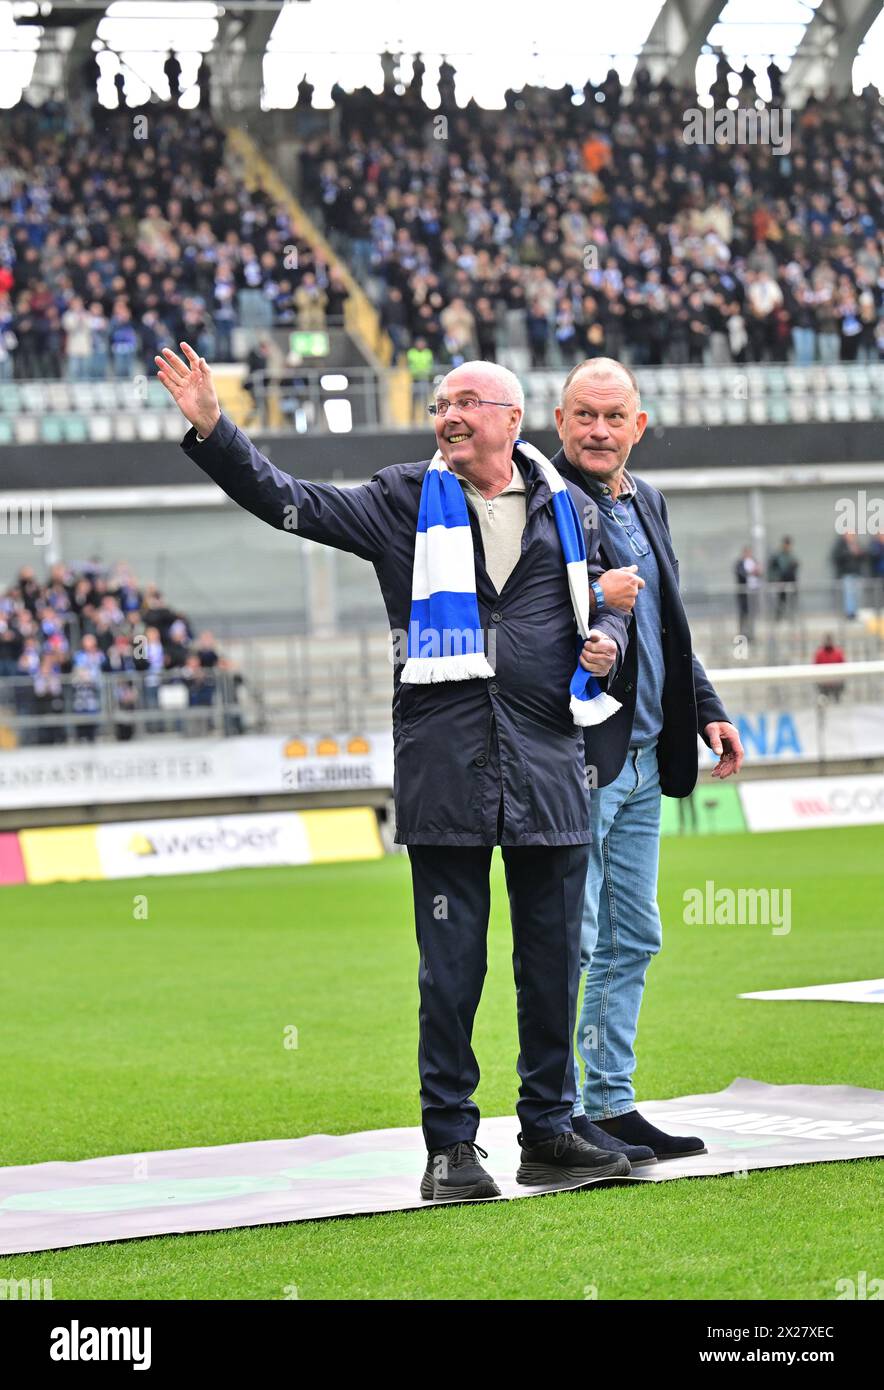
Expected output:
(121, 1035)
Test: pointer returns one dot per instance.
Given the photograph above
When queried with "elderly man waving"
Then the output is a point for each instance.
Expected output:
(481, 555)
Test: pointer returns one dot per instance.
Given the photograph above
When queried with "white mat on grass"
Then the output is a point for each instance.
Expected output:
(47, 1206)
(851, 992)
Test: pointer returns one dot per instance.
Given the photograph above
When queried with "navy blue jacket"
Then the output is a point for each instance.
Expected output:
(689, 699)
(458, 745)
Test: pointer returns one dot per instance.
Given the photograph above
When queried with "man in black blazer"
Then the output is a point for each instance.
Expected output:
(647, 749)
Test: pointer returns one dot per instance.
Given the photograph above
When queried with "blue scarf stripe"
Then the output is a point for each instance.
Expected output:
(442, 502)
(445, 638)
(569, 528)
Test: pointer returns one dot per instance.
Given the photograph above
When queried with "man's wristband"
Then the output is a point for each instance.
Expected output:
(598, 594)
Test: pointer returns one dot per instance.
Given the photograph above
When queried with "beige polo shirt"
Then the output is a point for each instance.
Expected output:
(502, 522)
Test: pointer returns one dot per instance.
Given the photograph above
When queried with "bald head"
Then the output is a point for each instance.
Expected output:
(477, 440)
(493, 381)
(603, 367)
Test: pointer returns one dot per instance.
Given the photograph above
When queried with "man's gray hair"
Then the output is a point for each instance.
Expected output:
(506, 383)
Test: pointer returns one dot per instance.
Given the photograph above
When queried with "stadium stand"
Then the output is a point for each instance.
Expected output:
(89, 652)
(551, 232)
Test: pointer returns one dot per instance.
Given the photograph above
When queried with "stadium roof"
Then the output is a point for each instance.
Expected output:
(260, 43)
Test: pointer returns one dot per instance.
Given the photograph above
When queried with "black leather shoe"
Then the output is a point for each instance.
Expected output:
(454, 1174)
(638, 1154)
(566, 1158)
(633, 1128)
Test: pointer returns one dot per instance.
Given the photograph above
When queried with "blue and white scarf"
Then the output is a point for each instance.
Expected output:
(445, 637)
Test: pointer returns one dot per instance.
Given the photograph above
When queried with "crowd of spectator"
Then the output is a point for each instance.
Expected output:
(113, 246)
(852, 562)
(92, 642)
(579, 230)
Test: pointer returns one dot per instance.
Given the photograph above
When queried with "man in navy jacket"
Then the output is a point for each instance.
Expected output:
(647, 748)
(477, 762)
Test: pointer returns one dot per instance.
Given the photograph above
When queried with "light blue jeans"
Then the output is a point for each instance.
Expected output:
(621, 932)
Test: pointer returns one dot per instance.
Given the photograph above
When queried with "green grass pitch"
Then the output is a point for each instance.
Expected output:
(122, 1035)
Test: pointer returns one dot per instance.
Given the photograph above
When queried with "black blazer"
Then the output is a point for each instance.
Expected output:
(689, 700)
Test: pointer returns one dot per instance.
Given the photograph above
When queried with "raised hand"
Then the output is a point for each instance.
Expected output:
(191, 387)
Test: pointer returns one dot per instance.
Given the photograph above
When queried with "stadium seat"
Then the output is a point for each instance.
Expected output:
(148, 426)
(860, 379)
(842, 406)
(130, 396)
(157, 395)
(862, 408)
(83, 395)
(736, 411)
(75, 429)
(758, 413)
(777, 380)
(692, 381)
(876, 378)
(668, 382)
(713, 381)
(821, 408)
(124, 428)
(10, 397)
(780, 409)
(712, 412)
(692, 413)
(517, 359)
(5, 431)
(33, 396)
(100, 430)
(797, 380)
(27, 430)
(51, 429)
(798, 409)
(670, 413)
(58, 395)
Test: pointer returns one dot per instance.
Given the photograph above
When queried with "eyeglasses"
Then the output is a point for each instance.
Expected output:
(468, 403)
(623, 520)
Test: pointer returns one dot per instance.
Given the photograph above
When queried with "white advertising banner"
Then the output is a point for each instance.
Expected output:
(170, 769)
(800, 803)
(792, 736)
(200, 844)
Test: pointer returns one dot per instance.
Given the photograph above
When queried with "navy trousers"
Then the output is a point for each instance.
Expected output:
(452, 898)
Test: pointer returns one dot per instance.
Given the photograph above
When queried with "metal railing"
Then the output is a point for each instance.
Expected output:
(52, 709)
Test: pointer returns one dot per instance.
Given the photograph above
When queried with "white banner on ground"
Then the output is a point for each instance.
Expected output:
(851, 992)
(200, 844)
(174, 769)
(802, 802)
(52, 1205)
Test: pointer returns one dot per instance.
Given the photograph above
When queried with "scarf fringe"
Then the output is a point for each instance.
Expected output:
(427, 670)
(595, 711)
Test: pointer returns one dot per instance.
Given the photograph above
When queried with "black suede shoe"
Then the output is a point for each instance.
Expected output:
(566, 1158)
(633, 1128)
(638, 1154)
(455, 1174)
